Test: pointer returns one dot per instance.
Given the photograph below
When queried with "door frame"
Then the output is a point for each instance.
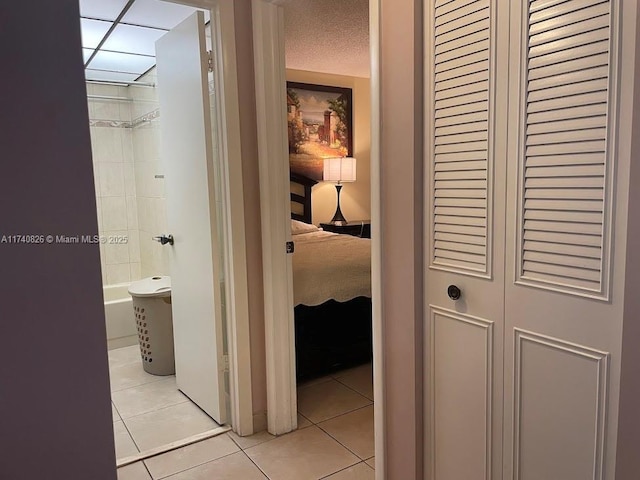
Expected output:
(270, 76)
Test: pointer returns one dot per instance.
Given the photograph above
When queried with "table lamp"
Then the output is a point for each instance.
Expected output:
(339, 170)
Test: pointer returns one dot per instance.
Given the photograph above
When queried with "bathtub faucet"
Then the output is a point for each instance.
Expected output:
(164, 239)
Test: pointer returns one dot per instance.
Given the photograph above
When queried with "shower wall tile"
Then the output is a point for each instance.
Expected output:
(114, 213)
(129, 179)
(132, 213)
(135, 272)
(134, 246)
(116, 253)
(118, 273)
(111, 180)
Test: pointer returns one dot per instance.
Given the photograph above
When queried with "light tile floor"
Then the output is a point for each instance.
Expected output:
(334, 440)
(148, 410)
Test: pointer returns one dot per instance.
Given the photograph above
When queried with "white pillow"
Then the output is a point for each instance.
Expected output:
(298, 227)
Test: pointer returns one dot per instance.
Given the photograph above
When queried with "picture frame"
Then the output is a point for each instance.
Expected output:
(320, 125)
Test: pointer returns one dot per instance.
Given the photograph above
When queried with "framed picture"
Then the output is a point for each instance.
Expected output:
(320, 123)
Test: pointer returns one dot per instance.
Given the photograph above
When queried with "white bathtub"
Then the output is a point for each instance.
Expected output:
(121, 324)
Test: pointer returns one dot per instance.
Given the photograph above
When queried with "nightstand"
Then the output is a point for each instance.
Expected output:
(357, 228)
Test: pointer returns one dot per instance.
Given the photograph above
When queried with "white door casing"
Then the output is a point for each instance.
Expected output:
(187, 153)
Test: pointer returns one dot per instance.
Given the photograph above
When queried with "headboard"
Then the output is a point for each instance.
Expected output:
(301, 197)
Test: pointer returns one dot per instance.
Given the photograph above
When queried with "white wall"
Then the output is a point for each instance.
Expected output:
(355, 199)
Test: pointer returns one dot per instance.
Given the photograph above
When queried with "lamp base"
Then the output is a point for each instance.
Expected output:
(338, 218)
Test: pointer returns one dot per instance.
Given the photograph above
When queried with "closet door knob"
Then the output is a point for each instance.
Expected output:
(454, 292)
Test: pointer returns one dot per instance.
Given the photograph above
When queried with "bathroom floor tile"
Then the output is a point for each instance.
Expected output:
(135, 471)
(360, 471)
(147, 397)
(115, 414)
(354, 430)
(232, 467)
(359, 379)
(191, 456)
(125, 445)
(326, 400)
(307, 454)
(130, 375)
(124, 356)
(168, 425)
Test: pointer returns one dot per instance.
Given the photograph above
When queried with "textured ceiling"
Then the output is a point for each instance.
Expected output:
(329, 36)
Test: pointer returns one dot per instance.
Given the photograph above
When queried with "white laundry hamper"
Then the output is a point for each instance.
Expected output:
(152, 309)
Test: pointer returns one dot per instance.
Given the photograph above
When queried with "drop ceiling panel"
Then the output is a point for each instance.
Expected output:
(102, 9)
(86, 53)
(130, 39)
(93, 31)
(106, 76)
(158, 14)
(122, 62)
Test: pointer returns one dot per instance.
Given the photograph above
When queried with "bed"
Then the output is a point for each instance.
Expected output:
(332, 292)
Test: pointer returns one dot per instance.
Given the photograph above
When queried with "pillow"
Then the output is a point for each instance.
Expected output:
(298, 227)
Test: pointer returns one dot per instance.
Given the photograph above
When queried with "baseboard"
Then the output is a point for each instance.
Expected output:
(259, 422)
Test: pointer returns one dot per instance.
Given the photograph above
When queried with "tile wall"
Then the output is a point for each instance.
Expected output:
(112, 146)
(129, 187)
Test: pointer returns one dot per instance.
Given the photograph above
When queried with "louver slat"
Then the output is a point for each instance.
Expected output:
(566, 95)
(460, 136)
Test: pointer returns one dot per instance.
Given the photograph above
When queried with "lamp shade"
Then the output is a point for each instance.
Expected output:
(340, 169)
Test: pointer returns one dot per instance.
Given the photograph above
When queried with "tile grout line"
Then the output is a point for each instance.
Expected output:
(251, 460)
(353, 389)
(343, 469)
(156, 410)
(193, 466)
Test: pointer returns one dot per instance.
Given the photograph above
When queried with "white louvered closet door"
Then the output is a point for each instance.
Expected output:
(465, 119)
(559, 324)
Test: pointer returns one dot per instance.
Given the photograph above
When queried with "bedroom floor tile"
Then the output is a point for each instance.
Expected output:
(168, 425)
(371, 462)
(190, 456)
(354, 430)
(307, 454)
(359, 379)
(232, 467)
(251, 441)
(326, 400)
(360, 471)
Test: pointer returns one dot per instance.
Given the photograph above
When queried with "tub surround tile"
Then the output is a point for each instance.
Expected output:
(326, 400)
(232, 467)
(136, 272)
(118, 273)
(354, 430)
(135, 471)
(147, 397)
(307, 454)
(132, 213)
(134, 246)
(117, 253)
(114, 213)
(168, 425)
(191, 456)
(125, 445)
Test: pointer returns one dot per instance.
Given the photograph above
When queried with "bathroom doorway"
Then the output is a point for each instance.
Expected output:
(151, 413)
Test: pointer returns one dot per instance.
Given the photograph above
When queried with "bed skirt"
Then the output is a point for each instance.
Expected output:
(332, 336)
